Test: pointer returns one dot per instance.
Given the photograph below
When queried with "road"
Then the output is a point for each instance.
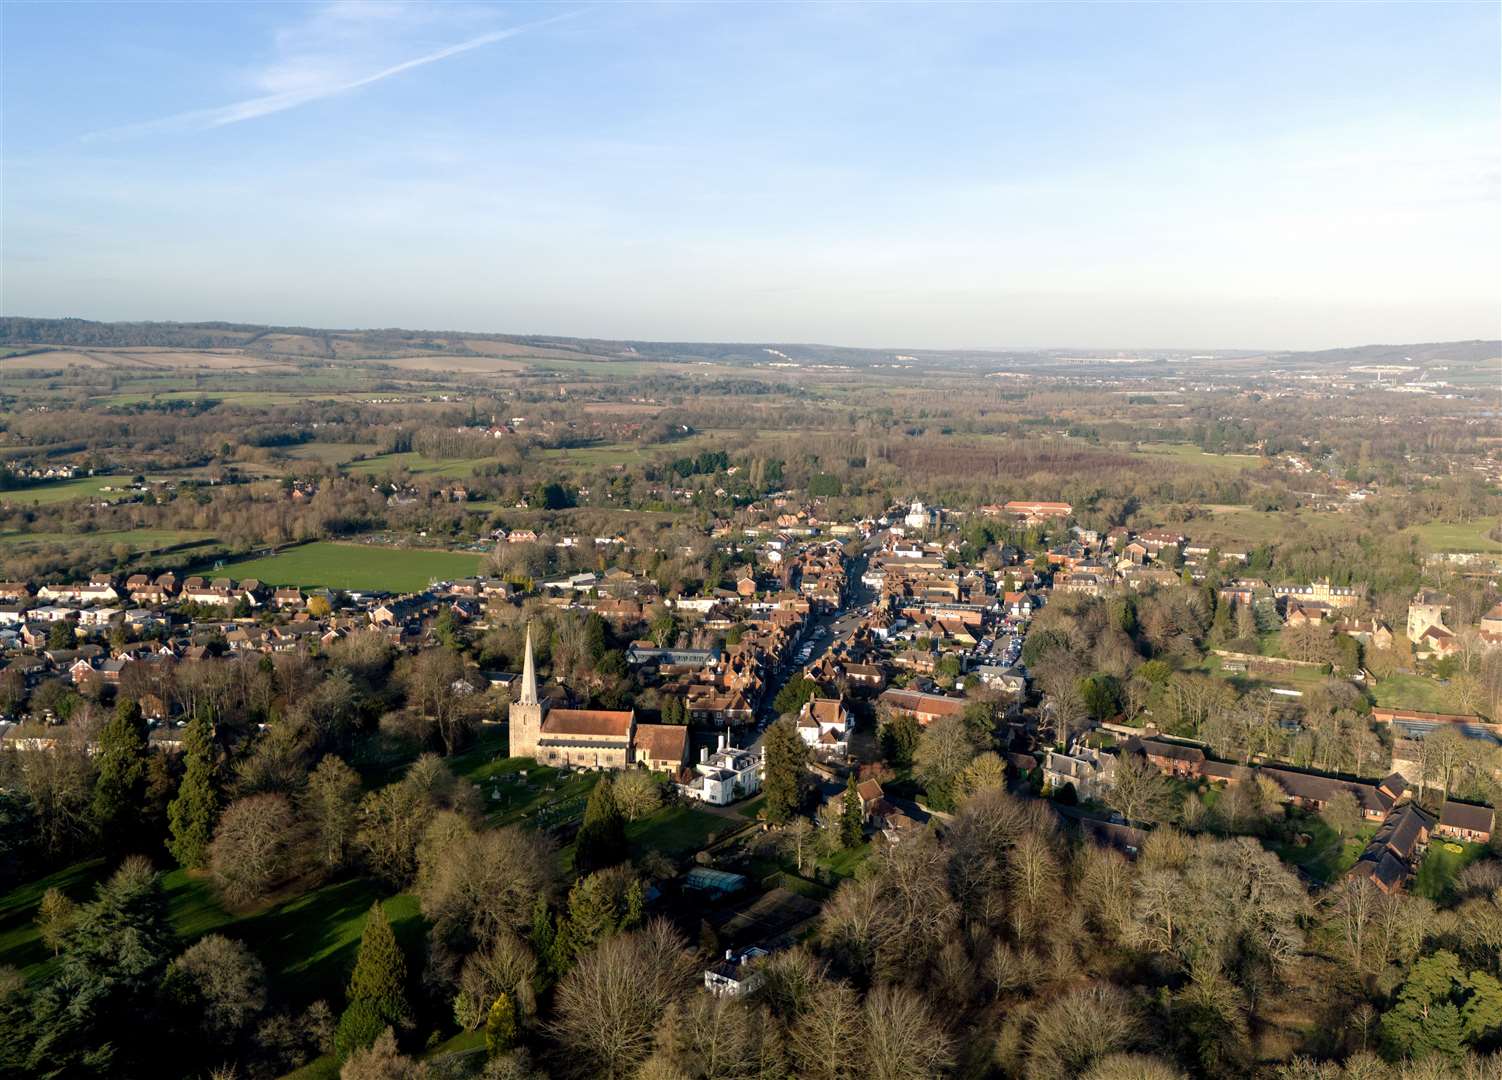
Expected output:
(837, 626)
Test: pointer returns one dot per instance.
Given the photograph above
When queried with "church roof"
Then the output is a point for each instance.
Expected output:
(611, 722)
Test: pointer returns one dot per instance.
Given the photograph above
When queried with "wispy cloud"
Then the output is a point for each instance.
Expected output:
(309, 90)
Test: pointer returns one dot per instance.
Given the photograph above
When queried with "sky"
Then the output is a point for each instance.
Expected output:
(1122, 176)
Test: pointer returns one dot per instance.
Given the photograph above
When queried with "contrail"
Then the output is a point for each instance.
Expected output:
(252, 108)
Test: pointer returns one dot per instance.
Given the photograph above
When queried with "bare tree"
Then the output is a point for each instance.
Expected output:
(825, 1039)
(1139, 791)
(254, 847)
(901, 1039)
(637, 794)
(607, 1006)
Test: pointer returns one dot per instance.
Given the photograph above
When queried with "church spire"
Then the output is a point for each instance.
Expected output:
(529, 674)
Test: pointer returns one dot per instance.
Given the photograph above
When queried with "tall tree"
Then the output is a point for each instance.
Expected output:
(331, 803)
(786, 756)
(377, 988)
(88, 1021)
(120, 786)
(852, 817)
(602, 836)
(193, 814)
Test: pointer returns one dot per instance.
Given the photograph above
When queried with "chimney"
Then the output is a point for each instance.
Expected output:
(703, 754)
(729, 954)
(724, 741)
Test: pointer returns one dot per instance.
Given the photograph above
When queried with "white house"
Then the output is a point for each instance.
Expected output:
(824, 724)
(724, 776)
(735, 974)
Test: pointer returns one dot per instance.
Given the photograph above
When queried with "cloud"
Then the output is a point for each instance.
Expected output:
(309, 88)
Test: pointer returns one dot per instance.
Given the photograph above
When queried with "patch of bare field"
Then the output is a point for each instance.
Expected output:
(292, 344)
(52, 360)
(507, 348)
(473, 364)
(621, 408)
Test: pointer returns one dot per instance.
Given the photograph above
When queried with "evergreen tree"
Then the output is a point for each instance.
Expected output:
(120, 787)
(852, 819)
(193, 813)
(89, 1019)
(377, 989)
(602, 836)
(786, 756)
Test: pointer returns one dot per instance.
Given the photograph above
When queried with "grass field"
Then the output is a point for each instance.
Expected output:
(330, 453)
(1441, 866)
(1451, 536)
(1188, 454)
(63, 490)
(357, 566)
(135, 539)
(417, 465)
(1412, 692)
(307, 942)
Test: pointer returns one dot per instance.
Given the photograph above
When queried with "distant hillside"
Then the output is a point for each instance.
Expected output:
(1431, 352)
(346, 344)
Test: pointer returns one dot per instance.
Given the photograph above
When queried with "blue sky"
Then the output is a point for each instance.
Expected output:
(1131, 175)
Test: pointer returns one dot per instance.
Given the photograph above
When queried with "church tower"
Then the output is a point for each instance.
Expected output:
(527, 710)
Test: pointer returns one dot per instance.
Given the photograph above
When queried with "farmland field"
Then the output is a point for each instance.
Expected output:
(63, 490)
(136, 539)
(330, 453)
(1451, 536)
(417, 465)
(357, 566)
(1188, 454)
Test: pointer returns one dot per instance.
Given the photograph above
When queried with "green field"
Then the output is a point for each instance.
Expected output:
(1450, 536)
(307, 942)
(64, 490)
(1412, 692)
(417, 465)
(357, 566)
(135, 539)
(1188, 454)
(330, 453)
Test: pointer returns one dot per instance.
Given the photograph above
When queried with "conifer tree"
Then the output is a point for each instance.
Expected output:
(193, 813)
(377, 989)
(602, 836)
(852, 819)
(120, 787)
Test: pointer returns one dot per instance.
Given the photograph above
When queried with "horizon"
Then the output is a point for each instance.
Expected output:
(903, 347)
(1302, 177)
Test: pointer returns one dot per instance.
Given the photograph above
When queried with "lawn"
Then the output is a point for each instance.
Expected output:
(1453, 536)
(417, 465)
(1412, 692)
(57, 491)
(1325, 857)
(307, 942)
(20, 945)
(677, 830)
(1441, 866)
(358, 566)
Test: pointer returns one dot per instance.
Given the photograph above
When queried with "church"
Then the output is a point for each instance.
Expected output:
(589, 738)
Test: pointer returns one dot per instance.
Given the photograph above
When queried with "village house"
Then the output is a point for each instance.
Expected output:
(721, 778)
(824, 724)
(1464, 821)
(925, 708)
(736, 974)
(1089, 771)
